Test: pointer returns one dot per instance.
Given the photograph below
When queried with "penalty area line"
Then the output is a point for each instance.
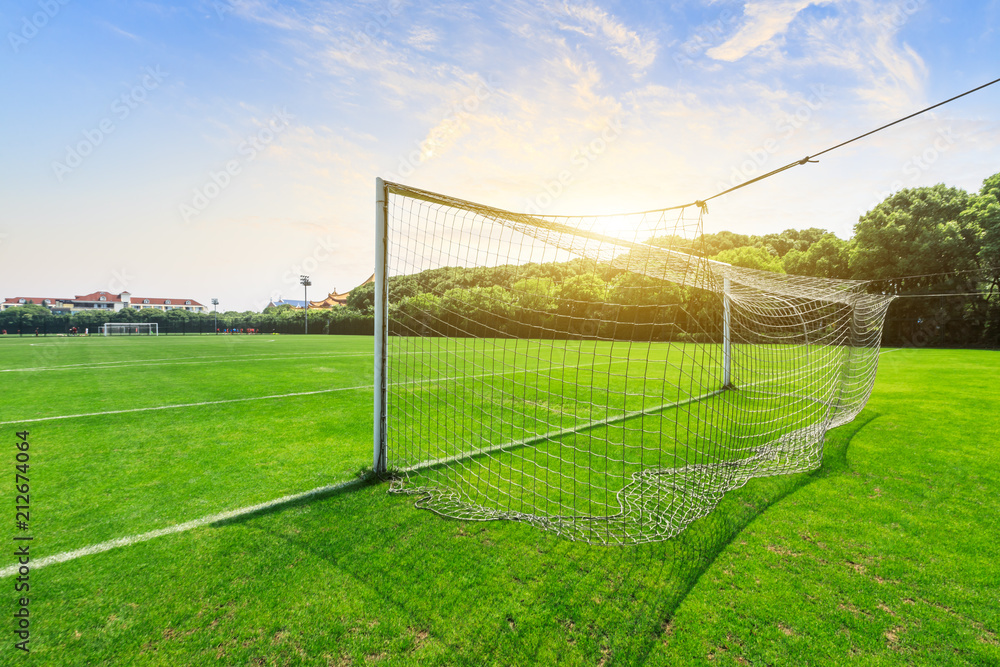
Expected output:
(11, 570)
(291, 395)
(222, 516)
(187, 405)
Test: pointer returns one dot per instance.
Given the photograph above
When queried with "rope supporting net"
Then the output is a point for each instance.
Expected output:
(595, 376)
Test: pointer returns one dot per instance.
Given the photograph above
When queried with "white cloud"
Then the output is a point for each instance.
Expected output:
(764, 21)
(261, 11)
(592, 21)
(561, 87)
(124, 33)
(423, 38)
(857, 38)
(863, 42)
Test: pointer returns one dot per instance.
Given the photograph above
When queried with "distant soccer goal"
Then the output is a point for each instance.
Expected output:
(130, 329)
(596, 376)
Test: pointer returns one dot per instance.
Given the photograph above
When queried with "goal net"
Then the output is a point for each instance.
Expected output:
(595, 376)
(130, 329)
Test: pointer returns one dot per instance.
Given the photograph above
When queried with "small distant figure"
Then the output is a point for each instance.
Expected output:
(36, 332)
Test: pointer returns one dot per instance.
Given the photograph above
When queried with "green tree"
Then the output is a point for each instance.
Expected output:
(534, 297)
(127, 314)
(177, 321)
(679, 243)
(634, 289)
(709, 245)
(921, 232)
(913, 232)
(751, 258)
(579, 294)
(983, 214)
(362, 298)
(25, 319)
(482, 304)
(417, 314)
(829, 257)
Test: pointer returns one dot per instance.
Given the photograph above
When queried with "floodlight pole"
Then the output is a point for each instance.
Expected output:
(304, 281)
(381, 332)
(215, 310)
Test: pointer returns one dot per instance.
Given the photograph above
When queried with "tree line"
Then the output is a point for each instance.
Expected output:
(25, 320)
(920, 242)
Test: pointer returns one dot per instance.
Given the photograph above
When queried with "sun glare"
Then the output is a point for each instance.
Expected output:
(619, 226)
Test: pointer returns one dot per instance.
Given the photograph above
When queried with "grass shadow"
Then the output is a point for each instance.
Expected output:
(363, 479)
(707, 538)
(505, 592)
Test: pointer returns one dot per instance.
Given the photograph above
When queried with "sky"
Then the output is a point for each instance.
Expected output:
(221, 148)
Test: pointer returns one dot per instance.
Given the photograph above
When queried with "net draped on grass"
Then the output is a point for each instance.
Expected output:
(596, 376)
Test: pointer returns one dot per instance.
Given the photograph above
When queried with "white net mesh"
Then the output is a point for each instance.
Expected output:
(594, 376)
(129, 329)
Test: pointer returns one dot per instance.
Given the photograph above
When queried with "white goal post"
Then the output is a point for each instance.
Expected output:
(381, 331)
(130, 329)
(597, 376)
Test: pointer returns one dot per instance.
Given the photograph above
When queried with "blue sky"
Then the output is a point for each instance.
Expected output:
(219, 148)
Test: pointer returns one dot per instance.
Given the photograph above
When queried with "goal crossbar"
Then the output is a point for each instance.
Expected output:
(703, 375)
(130, 329)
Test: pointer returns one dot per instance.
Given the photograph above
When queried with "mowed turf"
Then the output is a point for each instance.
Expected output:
(108, 476)
(886, 555)
(552, 414)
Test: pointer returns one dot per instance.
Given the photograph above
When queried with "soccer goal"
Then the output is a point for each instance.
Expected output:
(596, 376)
(130, 329)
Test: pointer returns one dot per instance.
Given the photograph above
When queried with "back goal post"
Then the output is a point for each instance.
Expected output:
(130, 329)
(596, 375)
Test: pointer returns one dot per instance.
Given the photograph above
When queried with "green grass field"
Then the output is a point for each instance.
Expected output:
(885, 555)
(588, 433)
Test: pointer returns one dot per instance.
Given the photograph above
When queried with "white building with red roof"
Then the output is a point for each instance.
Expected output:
(59, 306)
(105, 301)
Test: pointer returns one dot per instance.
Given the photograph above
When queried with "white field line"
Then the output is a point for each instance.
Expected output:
(530, 440)
(185, 405)
(891, 349)
(119, 361)
(297, 393)
(176, 361)
(182, 527)
(11, 570)
(101, 365)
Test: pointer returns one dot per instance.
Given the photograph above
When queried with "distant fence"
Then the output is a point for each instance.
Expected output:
(931, 322)
(360, 325)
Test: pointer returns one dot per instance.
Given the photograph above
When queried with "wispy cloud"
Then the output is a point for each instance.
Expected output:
(613, 105)
(282, 17)
(859, 38)
(864, 42)
(549, 89)
(592, 21)
(118, 31)
(560, 83)
(764, 21)
(423, 38)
